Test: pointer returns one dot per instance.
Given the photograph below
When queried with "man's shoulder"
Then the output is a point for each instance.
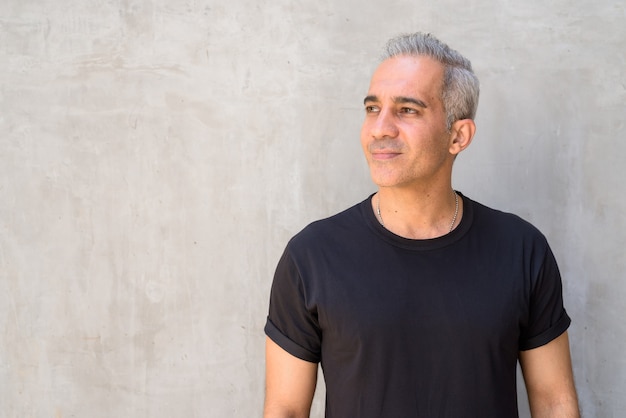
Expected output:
(333, 227)
(511, 224)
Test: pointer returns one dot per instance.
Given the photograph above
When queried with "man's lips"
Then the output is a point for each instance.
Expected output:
(384, 154)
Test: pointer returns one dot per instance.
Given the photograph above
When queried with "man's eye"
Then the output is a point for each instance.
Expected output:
(408, 110)
(371, 109)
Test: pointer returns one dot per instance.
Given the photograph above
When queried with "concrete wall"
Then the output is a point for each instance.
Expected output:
(155, 157)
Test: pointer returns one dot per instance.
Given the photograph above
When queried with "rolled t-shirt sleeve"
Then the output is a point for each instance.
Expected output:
(547, 318)
(292, 320)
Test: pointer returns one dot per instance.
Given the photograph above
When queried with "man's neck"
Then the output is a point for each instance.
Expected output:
(418, 214)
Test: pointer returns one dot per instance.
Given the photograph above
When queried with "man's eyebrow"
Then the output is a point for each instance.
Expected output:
(416, 102)
(370, 99)
(398, 100)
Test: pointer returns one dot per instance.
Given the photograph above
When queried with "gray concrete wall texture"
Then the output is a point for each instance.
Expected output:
(156, 156)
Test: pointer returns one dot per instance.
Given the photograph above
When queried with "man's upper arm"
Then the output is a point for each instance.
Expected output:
(549, 379)
(289, 383)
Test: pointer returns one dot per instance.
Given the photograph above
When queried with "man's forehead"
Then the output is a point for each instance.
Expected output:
(407, 76)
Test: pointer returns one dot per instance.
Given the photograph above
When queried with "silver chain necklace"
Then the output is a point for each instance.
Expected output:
(456, 211)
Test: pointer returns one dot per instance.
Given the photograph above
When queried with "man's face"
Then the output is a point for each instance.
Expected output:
(404, 135)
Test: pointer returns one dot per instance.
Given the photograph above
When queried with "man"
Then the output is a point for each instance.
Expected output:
(418, 302)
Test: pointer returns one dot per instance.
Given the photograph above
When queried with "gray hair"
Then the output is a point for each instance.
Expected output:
(460, 85)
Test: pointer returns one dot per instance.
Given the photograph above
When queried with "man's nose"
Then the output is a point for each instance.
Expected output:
(385, 125)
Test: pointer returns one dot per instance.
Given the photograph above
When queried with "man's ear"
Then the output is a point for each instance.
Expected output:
(462, 133)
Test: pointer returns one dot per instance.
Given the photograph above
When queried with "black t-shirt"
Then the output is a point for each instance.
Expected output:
(417, 328)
